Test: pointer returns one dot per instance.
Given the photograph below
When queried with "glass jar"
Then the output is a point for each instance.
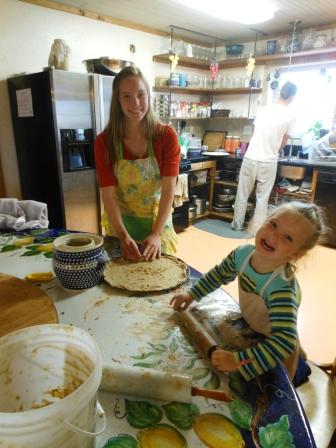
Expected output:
(235, 143)
(227, 143)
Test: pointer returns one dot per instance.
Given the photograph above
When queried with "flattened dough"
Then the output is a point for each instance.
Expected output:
(164, 273)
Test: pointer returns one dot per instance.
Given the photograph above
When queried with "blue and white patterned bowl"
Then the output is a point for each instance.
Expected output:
(79, 260)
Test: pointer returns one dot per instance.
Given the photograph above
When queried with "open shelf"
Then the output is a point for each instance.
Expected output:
(300, 57)
(227, 183)
(192, 91)
(206, 118)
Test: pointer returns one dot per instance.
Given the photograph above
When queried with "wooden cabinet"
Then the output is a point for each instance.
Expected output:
(204, 190)
(311, 174)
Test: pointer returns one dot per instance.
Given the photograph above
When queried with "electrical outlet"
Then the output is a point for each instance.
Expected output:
(247, 130)
(132, 48)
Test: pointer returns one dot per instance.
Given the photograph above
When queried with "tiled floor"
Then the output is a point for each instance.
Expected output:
(316, 274)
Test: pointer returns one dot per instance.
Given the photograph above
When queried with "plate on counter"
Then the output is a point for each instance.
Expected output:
(216, 153)
(162, 274)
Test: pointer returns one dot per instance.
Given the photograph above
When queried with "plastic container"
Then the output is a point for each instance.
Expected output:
(49, 380)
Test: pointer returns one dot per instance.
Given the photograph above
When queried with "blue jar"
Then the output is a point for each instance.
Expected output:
(79, 260)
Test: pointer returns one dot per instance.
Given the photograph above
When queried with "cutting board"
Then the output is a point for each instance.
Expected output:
(23, 305)
(214, 140)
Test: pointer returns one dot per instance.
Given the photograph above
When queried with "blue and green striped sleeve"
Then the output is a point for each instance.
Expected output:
(283, 307)
(222, 274)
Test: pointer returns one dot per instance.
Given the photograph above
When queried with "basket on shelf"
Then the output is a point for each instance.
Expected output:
(220, 112)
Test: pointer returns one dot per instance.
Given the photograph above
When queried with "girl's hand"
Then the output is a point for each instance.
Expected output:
(129, 249)
(224, 360)
(151, 247)
(181, 302)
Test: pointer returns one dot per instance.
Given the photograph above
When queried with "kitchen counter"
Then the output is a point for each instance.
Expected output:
(311, 163)
(140, 330)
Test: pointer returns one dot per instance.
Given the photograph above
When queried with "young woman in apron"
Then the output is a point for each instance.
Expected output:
(137, 162)
(269, 295)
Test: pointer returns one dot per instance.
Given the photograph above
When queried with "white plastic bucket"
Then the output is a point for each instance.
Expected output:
(38, 366)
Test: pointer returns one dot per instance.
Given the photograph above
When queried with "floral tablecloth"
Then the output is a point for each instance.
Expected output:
(142, 330)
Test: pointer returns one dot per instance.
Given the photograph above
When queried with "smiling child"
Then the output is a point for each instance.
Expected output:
(269, 294)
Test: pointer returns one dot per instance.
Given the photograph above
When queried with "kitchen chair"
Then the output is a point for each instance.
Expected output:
(318, 397)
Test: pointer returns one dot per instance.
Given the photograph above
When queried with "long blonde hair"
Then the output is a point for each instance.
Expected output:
(115, 128)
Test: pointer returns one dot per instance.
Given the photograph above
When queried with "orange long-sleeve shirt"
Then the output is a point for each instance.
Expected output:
(166, 150)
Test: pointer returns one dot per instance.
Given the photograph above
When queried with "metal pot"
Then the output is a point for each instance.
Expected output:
(105, 65)
(192, 212)
(226, 191)
(200, 206)
(224, 198)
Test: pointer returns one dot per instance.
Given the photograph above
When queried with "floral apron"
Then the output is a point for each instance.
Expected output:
(138, 195)
(256, 314)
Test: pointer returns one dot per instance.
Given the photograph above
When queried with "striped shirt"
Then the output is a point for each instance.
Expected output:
(282, 298)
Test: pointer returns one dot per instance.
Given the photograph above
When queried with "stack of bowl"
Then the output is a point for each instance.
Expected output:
(223, 200)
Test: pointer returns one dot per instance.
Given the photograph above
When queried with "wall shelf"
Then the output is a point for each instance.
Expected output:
(318, 55)
(206, 118)
(227, 183)
(192, 91)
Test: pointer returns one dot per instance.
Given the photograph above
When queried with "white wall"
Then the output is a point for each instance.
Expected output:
(27, 33)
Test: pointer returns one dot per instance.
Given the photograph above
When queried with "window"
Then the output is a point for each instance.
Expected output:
(316, 96)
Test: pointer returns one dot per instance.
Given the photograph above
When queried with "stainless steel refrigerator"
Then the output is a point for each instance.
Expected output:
(56, 115)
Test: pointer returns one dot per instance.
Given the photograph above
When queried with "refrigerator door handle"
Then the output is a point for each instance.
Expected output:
(98, 104)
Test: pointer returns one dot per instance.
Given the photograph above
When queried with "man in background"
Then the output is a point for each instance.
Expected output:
(273, 126)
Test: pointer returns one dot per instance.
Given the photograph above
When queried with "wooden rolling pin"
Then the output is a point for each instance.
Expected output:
(151, 383)
(199, 335)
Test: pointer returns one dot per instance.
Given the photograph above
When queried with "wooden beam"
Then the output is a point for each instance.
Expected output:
(93, 15)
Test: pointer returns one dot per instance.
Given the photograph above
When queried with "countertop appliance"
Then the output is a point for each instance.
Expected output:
(56, 115)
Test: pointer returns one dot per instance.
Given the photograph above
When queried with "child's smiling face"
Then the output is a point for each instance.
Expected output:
(283, 237)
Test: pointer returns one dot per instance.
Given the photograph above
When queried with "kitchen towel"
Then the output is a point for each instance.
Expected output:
(181, 190)
(21, 215)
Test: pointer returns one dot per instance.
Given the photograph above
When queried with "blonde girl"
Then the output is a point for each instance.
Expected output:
(269, 294)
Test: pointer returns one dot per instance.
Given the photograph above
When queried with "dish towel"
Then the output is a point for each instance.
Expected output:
(181, 190)
(22, 215)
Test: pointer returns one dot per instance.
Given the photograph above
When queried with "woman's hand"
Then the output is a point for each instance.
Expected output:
(181, 302)
(129, 249)
(224, 360)
(151, 247)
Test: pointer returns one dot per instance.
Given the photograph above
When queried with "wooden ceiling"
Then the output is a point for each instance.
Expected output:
(156, 16)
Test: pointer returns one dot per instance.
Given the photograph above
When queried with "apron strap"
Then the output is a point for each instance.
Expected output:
(120, 151)
(150, 150)
(274, 274)
(245, 262)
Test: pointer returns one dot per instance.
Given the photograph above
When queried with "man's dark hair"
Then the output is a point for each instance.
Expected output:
(287, 90)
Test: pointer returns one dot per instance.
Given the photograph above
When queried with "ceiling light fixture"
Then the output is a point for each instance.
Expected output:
(241, 11)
